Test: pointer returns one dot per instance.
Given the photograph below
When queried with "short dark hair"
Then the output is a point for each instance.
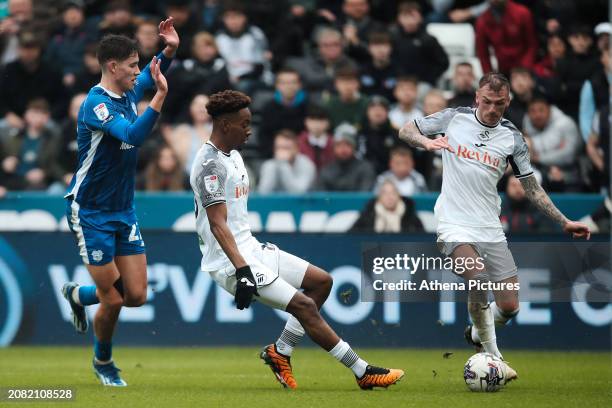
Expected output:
(347, 72)
(379, 37)
(39, 104)
(287, 134)
(225, 102)
(407, 78)
(117, 47)
(316, 111)
(539, 97)
(408, 7)
(401, 151)
(495, 80)
(287, 70)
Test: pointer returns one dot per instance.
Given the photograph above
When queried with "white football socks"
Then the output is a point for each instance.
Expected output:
(290, 336)
(345, 354)
(482, 318)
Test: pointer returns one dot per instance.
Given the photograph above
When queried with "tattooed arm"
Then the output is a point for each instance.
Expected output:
(410, 134)
(536, 194)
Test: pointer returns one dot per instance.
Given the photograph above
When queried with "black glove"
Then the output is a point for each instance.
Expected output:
(245, 287)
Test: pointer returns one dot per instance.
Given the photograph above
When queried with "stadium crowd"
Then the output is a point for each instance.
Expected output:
(330, 81)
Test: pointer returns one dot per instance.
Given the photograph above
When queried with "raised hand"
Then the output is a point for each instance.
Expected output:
(158, 77)
(169, 35)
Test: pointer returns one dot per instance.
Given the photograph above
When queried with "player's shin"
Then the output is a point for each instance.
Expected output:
(482, 317)
(345, 354)
(291, 335)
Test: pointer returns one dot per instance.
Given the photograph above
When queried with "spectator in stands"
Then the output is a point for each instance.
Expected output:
(117, 19)
(64, 147)
(346, 172)
(315, 141)
(348, 105)
(376, 135)
(430, 163)
(163, 173)
(289, 171)
(465, 13)
(402, 173)
(508, 28)
(433, 102)
(595, 94)
(464, 92)
(89, 75)
(148, 42)
(602, 33)
(388, 212)
(186, 139)
(417, 52)
(555, 51)
(29, 78)
(186, 23)
(378, 75)
(317, 71)
(356, 25)
(598, 150)
(523, 87)
(30, 151)
(286, 111)
(204, 73)
(66, 48)
(580, 63)
(20, 16)
(518, 215)
(554, 140)
(405, 110)
(244, 47)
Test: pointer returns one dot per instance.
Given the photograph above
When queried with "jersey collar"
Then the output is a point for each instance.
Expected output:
(111, 93)
(216, 148)
(484, 124)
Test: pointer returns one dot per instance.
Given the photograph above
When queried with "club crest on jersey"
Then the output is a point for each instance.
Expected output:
(211, 183)
(484, 135)
(101, 111)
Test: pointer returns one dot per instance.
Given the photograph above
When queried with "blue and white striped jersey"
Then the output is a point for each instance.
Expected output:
(109, 132)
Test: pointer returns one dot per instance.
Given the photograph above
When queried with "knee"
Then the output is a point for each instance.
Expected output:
(111, 299)
(135, 299)
(509, 308)
(304, 307)
(327, 283)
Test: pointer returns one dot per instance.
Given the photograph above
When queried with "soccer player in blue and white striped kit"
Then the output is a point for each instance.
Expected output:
(100, 198)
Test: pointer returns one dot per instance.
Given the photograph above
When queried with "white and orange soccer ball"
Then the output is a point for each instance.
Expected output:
(484, 372)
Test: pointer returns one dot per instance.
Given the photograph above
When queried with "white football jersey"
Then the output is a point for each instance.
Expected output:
(470, 175)
(217, 177)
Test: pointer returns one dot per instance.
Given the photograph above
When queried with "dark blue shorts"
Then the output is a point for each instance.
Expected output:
(102, 235)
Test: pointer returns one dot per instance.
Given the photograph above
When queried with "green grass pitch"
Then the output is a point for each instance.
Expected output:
(235, 377)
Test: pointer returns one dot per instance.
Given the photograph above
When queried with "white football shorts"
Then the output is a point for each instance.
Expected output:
(278, 275)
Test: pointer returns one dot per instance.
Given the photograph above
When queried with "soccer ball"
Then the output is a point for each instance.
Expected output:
(484, 372)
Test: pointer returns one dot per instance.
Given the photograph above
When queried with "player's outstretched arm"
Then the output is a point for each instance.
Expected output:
(536, 194)
(410, 134)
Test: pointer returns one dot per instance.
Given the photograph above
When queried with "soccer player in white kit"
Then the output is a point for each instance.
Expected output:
(249, 269)
(477, 146)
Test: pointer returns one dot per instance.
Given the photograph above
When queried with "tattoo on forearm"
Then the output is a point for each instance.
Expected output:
(536, 194)
(411, 135)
